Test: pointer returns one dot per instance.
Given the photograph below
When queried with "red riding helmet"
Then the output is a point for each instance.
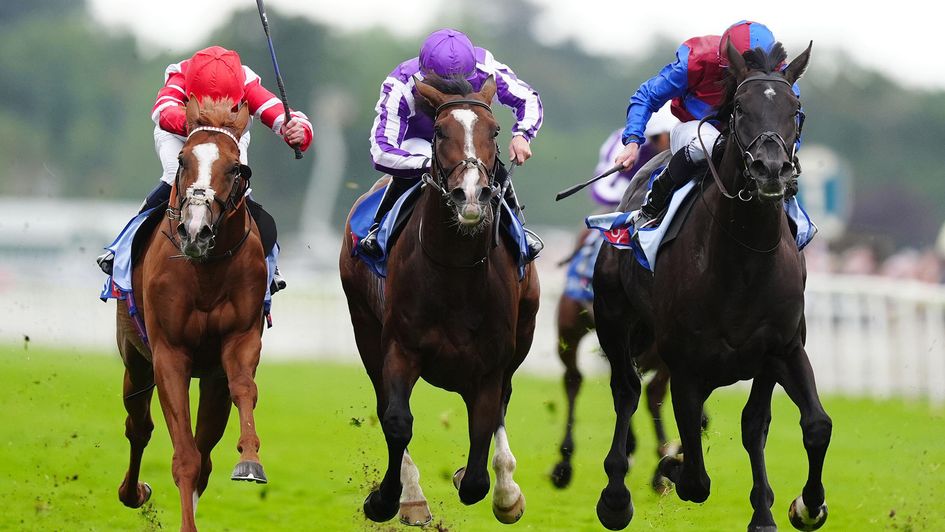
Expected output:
(217, 73)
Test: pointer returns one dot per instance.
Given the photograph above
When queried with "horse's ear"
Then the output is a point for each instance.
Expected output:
(192, 112)
(487, 92)
(434, 97)
(736, 63)
(242, 119)
(798, 66)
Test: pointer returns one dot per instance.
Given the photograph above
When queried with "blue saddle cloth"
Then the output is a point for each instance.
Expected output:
(363, 218)
(618, 231)
(579, 283)
(118, 284)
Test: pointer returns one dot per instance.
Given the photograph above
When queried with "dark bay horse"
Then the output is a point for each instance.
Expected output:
(726, 303)
(200, 284)
(575, 320)
(452, 309)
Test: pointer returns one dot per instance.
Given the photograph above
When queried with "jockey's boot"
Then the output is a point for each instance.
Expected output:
(398, 185)
(532, 240)
(675, 175)
(160, 194)
(278, 282)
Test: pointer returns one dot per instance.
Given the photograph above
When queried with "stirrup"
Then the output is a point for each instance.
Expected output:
(278, 282)
(369, 246)
(534, 243)
(106, 262)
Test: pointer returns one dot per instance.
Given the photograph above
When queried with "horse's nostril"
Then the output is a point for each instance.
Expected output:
(181, 230)
(458, 195)
(787, 170)
(205, 233)
(485, 194)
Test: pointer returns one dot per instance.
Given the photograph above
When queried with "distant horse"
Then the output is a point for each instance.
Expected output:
(575, 319)
(200, 285)
(452, 309)
(726, 303)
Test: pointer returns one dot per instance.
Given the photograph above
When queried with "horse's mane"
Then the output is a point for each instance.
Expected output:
(756, 60)
(216, 113)
(457, 85)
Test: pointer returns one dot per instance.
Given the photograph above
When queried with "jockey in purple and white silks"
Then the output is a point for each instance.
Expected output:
(608, 192)
(401, 139)
(694, 83)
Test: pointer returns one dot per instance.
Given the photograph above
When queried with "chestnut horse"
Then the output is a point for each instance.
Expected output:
(200, 285)
(726, 302)
(452, 309)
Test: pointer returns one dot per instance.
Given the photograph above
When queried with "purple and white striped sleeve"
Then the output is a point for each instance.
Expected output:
(518, 95)
(394, 107)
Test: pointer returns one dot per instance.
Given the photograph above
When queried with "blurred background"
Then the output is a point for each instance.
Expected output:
(78, 79)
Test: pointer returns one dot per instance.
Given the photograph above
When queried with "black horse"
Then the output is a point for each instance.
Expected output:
(726, 302)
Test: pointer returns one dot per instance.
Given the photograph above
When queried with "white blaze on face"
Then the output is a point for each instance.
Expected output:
(206, 155)
(471, 178)
(770, 93)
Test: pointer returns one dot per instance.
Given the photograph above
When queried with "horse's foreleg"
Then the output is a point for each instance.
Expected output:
(399, 375)
(212, 415)
(172, 371)
(571, 328)
(414, 510)
(655, 395)
(240, 356)
(809, 511)
(756, 417)
(137, 389)
(508, 503)
(689, 475)
(485, 412)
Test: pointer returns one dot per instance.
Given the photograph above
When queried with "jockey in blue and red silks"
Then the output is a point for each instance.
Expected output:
(214, 72)
(401, 139)
(694, 83)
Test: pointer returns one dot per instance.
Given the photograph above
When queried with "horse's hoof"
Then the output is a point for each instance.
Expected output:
(250, 472)
(458, 477)
(669, 467)
(512, 514)
(614, 520)
(561, 475)
(660, 484)
(763, 528)
(801, 517)
(375, 511)
(415, 513)
(142, 495)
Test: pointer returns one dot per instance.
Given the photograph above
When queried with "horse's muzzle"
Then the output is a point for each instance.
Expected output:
(198, 246)
(771, 177)
(471, 210)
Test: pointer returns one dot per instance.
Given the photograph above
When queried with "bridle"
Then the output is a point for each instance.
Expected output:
(442, 173)
(204, 196)
(746, 194)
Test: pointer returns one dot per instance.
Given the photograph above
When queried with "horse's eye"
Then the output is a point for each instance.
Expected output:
(235, 170)
(495, 133)
(439, 132)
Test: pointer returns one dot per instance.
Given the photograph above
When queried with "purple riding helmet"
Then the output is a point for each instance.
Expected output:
(448, 53)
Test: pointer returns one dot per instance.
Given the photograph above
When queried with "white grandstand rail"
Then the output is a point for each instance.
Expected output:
(877, 336)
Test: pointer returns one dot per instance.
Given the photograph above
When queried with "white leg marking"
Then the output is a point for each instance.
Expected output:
(196, 498)
(471, 178)
(410, 478)
(506, 492)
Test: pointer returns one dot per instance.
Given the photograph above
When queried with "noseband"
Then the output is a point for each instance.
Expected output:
(745, 194)
(440, 182)
(203, 196)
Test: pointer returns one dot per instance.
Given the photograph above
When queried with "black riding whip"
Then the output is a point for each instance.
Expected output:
(567, 192)
(275, 66)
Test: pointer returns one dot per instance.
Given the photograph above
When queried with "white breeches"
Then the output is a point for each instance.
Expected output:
(685, 136)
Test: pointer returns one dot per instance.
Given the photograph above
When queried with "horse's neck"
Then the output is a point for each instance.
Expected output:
(752, 223)
(440, 239)
(233, 230)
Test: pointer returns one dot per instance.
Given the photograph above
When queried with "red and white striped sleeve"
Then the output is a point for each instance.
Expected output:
(168, 111)
(265, 106)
